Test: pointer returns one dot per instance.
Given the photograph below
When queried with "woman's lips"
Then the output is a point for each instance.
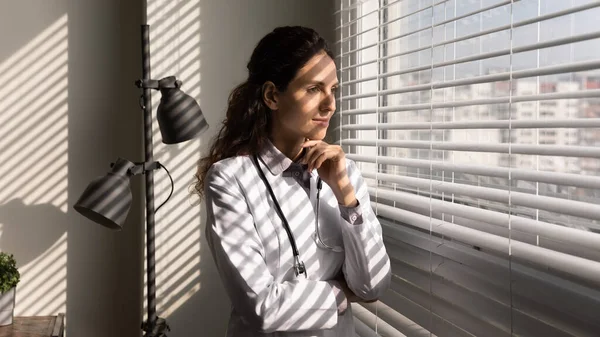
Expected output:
(321, 122)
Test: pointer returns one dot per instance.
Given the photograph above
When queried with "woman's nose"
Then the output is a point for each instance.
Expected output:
(328, 103)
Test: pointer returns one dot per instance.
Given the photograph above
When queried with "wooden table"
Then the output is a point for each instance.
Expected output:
(35, 326)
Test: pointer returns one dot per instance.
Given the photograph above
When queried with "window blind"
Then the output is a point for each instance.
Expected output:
(476, 124)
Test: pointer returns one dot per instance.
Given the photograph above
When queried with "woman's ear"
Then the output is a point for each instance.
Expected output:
(269, 95)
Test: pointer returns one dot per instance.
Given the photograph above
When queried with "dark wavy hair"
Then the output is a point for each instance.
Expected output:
(277, 58)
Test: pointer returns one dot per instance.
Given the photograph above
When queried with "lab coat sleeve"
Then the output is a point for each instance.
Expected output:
(239, 255)
(353, 215)
(367, 265)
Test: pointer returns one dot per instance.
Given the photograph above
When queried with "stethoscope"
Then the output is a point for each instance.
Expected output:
(299, 267)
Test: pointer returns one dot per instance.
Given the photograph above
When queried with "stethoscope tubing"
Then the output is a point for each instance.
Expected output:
(299, 267)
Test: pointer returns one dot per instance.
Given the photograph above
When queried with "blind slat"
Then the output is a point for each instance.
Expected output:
(362, 329)
(357, 65)
(493, 266)
(362, 32)
(477, 11)
(350, 22)
(568, 297)
(353, 6)
(533, 319)
(359, 80)
(499, 29)
(503, 208)
(551, 204)
(581, 123)
(542, 150)
(559, 233)
(592, 93)
(583, 269)
(361, 48)
(389, 22)
(488, 55)
(483, 33)
(397, 320)
(374, 322)
(431, 316)
(556, 178)
(492, 304)
(549, 70)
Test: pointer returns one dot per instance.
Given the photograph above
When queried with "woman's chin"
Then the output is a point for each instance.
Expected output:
(317, 135)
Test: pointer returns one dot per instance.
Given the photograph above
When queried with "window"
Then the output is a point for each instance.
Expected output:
(471, 121)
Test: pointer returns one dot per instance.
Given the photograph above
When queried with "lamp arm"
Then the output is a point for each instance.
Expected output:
(143, 167)
(147, 84)
(166, 83)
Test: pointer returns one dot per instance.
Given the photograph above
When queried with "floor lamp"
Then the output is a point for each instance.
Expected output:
(107, 199)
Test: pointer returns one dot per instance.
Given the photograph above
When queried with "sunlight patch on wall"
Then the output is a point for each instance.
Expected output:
(175, 48)
(45, 293)
(34, 167)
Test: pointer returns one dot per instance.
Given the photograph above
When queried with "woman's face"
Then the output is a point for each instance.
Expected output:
(303, 110)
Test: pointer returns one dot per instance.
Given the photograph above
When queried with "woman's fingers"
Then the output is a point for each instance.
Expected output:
(318, 152)
(311, 154)
(318, 161)
(311, 143)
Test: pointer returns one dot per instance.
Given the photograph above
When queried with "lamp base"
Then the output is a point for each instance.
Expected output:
(158, 330)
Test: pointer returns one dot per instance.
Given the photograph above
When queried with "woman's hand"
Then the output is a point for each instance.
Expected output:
(330, 162)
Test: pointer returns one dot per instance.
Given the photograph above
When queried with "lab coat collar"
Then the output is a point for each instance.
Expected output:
(275, 160)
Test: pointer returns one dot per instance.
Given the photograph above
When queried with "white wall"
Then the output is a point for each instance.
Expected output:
(69, 108)
(206, 44)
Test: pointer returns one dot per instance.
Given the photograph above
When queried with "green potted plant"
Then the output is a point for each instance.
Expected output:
(9, 278)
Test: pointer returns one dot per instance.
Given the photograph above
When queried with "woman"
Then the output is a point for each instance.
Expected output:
(289, 220)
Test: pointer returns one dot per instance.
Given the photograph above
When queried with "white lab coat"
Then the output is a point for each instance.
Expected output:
(254, 257)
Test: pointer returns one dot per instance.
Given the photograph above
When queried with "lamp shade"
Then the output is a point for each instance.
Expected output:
(107, 199)
(179, 115)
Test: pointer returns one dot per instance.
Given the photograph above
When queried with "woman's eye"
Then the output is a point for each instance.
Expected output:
(313, 89)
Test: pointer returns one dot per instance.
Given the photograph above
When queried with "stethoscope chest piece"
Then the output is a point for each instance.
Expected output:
(299, 267)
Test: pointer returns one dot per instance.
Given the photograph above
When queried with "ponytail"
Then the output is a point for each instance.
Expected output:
(244, 131)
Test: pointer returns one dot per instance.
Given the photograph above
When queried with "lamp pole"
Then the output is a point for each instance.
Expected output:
(153, 327)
